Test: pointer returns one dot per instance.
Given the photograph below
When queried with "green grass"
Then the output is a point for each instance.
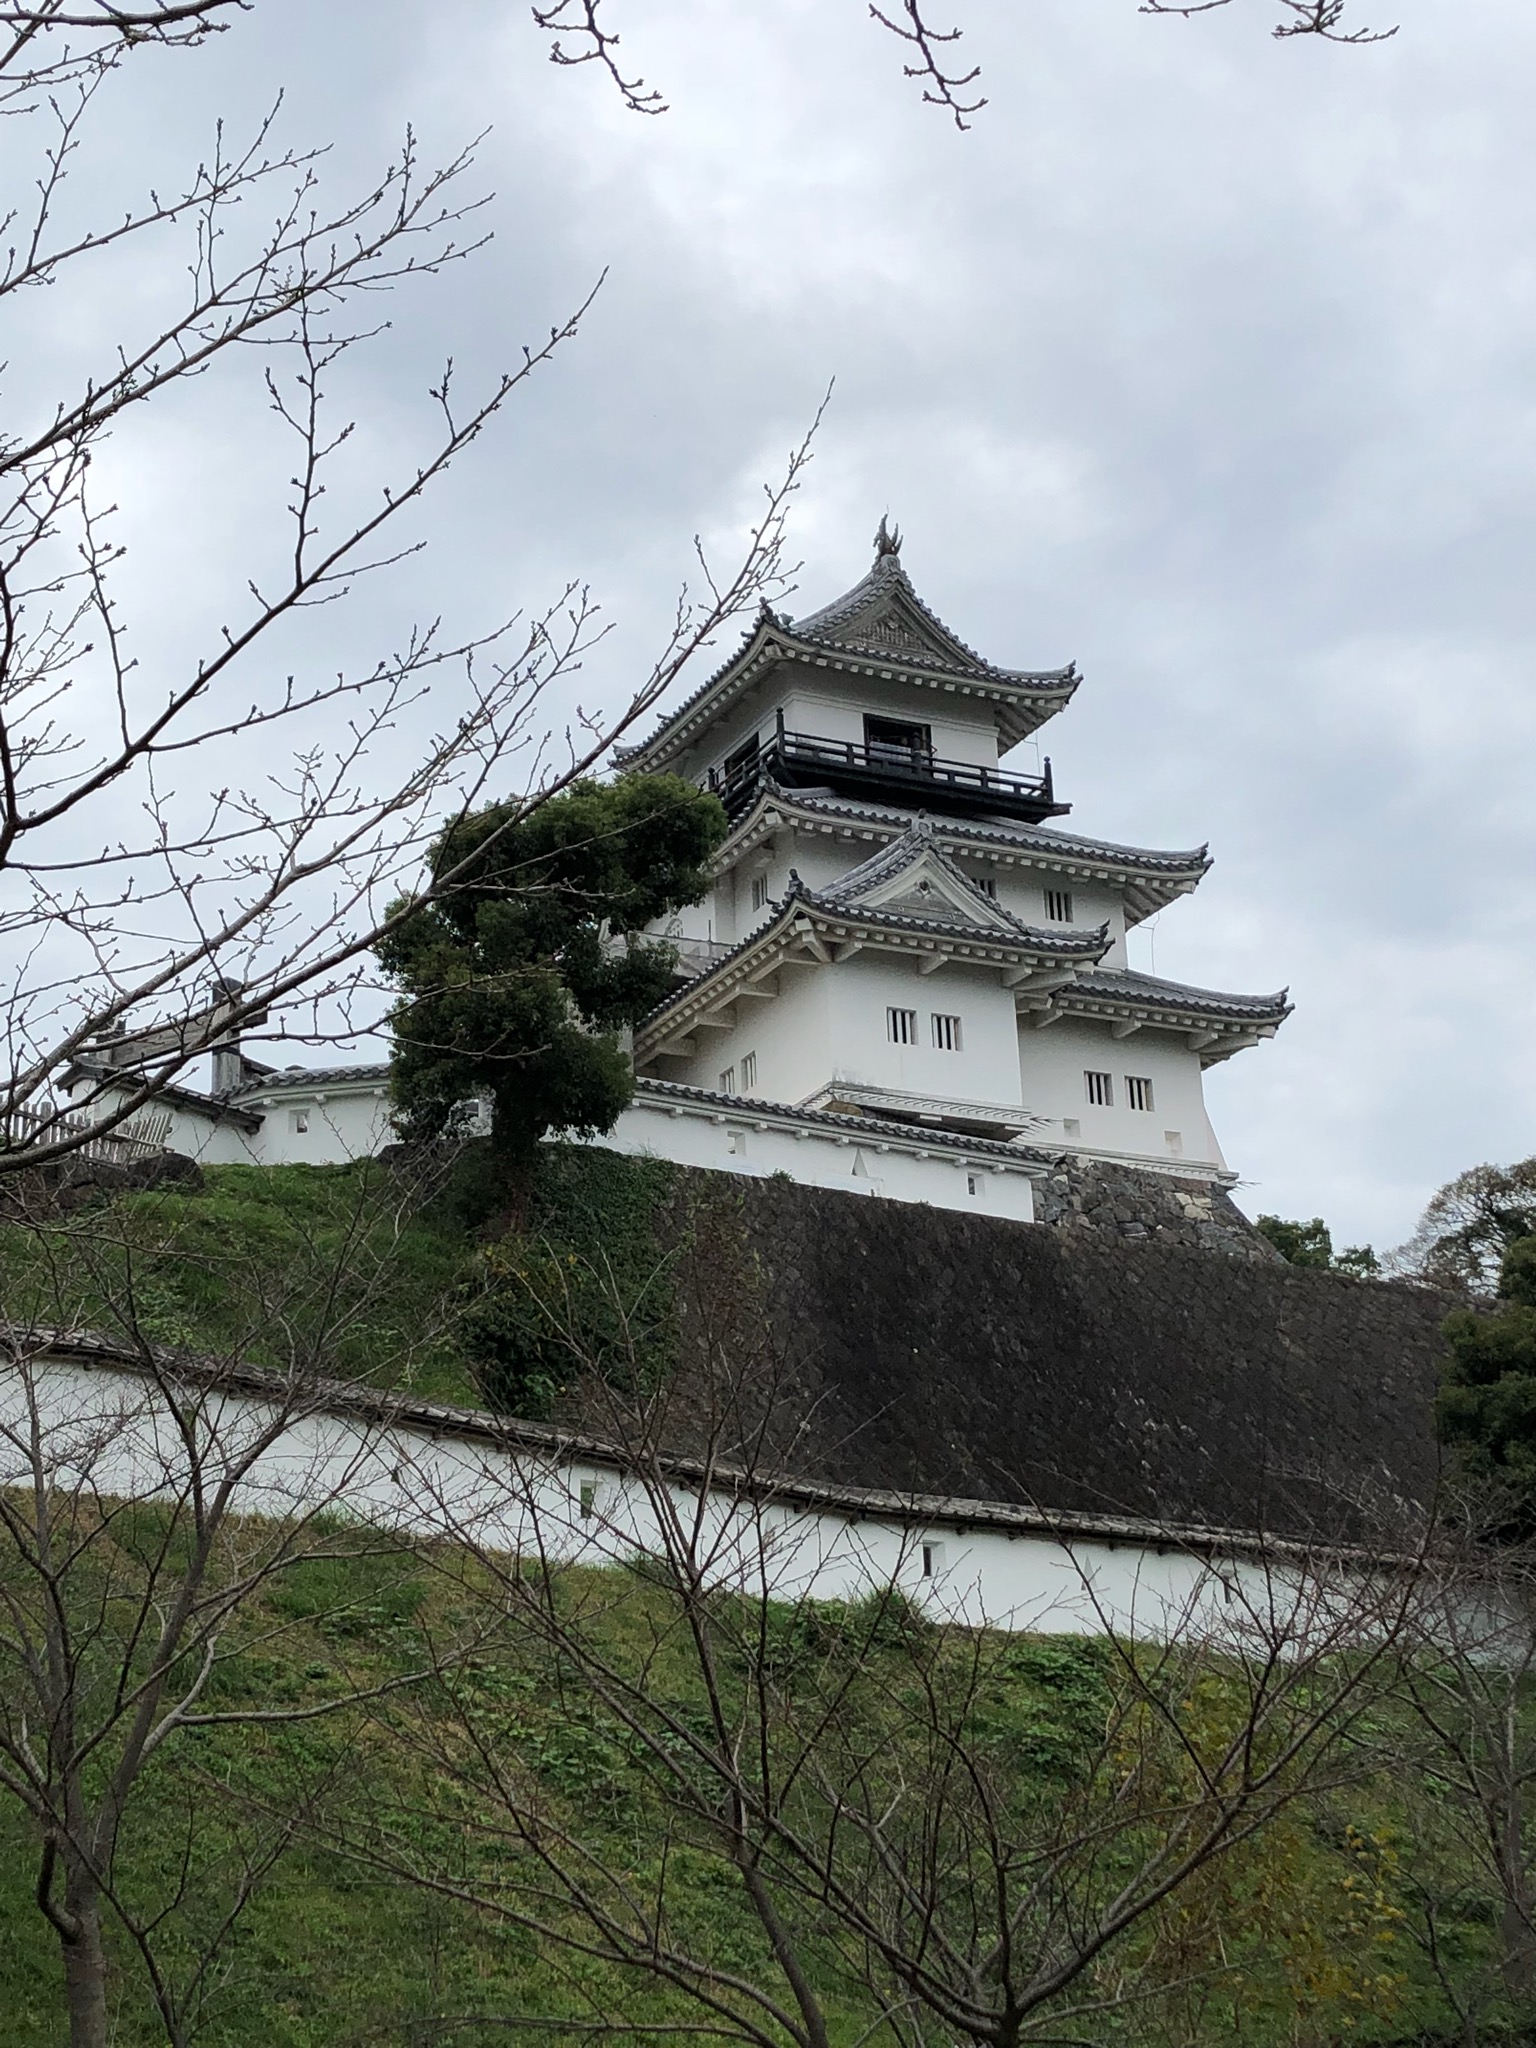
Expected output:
(332, 1268)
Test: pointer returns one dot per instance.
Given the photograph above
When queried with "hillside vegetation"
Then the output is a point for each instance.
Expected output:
(1304, 1937)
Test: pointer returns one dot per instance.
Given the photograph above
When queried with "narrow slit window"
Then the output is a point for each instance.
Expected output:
(749, 1074)
(588, 1500)
(933, 1560)
(759, 891)
(946, 1032)
(901, 1027)
(1138, 1091)
(299, 1119)
(728, 1081)
(1058, 905)
(1100, 1089)
(973, 1186)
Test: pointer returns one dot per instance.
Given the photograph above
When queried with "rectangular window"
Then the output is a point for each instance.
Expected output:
(933, 1560)
(298, 1119)
(987, 884)
(588, 1499)
(1138, 1091)
(759, 891)
(738, 1144)
(1174, 1140)
(974, 1186)
(1101, 1089)
(901, 1027)
(728, 1081)
(1071, 1127)
(1058, 905)
(946, 1033)
(895, 741)
(749, 1074)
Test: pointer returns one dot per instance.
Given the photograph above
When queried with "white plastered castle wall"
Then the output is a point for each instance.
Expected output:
(731, 1139)
(1054, 1060)
(320, 1125)
(440, 1479)
(790, 1035)
(864, 989)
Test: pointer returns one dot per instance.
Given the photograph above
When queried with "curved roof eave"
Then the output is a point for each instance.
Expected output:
(1026, 698)
(1047, 946)
(1176, 872)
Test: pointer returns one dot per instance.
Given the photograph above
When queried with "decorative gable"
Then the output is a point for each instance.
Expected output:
(914, 877)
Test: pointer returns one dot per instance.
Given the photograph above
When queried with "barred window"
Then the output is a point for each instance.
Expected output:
(987, 884)
(946, 1033)
(759, 891)
(901, 1026)
(749, 1074)
(1101, 1089)
(1058, 905)
(728, 1081)
(1138, 1091)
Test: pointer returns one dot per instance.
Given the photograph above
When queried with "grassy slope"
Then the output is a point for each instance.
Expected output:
(332, 1956)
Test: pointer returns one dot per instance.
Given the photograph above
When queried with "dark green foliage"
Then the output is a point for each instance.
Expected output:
(585, 1288)
(512, 992)
(1311, 1244)
(1487, 1402)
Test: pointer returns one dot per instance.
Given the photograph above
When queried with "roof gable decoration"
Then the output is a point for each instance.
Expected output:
(914, 877)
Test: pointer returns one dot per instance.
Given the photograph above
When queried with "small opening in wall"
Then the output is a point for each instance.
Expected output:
(728, 1081)
(901, 1026)
(588, 1499)
(298, 1119)
(759, 891)
(946, 1033)
(1101, 1089)
(975, 1186)
(1174, 1140)
(933, 1560)
(1072, 1126)
(739, 1144)
(749, 1074)
(1138, 1091)
(1058, 905)
(987, 884)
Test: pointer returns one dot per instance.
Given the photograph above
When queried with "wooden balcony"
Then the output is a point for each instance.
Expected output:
(911, 777)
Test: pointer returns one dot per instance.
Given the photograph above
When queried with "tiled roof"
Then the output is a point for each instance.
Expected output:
(886, 579)
(868, 1127)
(772, 634)
(1125, 985)
(1032, 838)
(309, 1077)
(1028, 938)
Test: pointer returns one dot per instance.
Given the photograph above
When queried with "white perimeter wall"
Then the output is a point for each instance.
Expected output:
(110, 1425)
(735, 1142)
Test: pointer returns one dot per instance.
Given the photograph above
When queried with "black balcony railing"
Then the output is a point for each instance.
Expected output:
(910, 774)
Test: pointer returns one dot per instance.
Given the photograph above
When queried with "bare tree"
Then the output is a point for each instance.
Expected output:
(1325, 18)
(856, 1775)
(152, 909)
(154, 1506)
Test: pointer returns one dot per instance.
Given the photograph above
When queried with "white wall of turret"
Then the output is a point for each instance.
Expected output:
(1054, 1063)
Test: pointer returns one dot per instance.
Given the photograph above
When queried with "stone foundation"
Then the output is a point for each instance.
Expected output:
(1147, 1208)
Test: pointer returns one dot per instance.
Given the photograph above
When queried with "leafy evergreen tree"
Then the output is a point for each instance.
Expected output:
(513, 990)
(1487, 1403)
(1311, 1244)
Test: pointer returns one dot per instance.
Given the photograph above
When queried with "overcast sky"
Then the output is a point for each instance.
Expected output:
(1204, 360)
